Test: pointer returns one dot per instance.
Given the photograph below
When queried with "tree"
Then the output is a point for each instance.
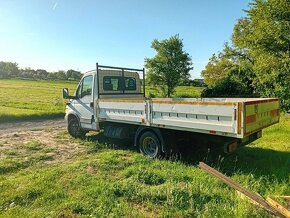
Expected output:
(41, 74)
(169, 66)
(228, 87)
(73, 75)
(217, 69)
(3, 71)
(265, 35)
(8, 70)
(60, 75)
(232, 65)
(259, 56)
(51, 76)
(27, 73)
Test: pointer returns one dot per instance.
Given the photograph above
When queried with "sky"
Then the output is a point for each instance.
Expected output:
(69, 34)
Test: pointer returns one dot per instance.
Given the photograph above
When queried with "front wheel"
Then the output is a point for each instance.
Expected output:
(74, 128)
(150, 145)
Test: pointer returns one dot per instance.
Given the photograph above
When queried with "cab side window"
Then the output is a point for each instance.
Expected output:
(85, 87)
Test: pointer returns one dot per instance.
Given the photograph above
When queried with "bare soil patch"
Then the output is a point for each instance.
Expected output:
(50, 135)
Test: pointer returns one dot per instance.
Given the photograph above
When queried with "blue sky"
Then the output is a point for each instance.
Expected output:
(66, 34)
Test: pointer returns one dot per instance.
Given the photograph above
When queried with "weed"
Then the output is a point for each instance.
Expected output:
(34, 145)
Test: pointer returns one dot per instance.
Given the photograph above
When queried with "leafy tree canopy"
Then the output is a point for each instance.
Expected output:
(73, 75)
(8, 69)
(260, 52)
(169, 66)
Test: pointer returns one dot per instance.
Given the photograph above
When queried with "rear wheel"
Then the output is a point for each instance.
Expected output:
(150, 145)
(75, 129)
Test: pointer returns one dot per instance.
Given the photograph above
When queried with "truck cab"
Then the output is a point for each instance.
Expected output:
(105, 82)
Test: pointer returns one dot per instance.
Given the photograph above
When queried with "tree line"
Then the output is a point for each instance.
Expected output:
(9, 70)
(255, 63)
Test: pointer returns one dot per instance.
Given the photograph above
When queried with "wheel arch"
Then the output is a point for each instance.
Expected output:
(156, 131)
(71, 116)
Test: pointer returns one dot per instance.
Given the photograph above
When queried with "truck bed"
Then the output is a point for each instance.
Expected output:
(233, 117)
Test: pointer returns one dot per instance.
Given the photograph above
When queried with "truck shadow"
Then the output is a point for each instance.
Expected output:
(247, 160)
(124, 144)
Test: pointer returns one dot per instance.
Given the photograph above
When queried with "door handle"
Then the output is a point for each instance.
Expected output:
(92, 104)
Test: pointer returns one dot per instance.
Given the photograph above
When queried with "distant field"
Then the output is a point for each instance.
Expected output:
(31, 99)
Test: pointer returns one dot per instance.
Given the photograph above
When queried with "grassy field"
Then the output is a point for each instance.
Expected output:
(180, 92)
(101, 178)
(31, 99)
(22, 99)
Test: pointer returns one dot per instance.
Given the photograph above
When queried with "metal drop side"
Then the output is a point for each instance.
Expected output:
(227, 117)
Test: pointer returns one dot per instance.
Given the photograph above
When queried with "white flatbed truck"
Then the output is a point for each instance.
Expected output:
(113, 99)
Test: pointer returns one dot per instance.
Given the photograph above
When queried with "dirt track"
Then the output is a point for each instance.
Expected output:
(31, 125)
(48, 133)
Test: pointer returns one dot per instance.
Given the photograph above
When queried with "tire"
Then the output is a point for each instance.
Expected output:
(150, 145)
(74, 128)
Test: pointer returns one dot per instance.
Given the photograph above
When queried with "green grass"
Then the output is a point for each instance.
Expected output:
(180, 92)
(22, 99)
(111, 179)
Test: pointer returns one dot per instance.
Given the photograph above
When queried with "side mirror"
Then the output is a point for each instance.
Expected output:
(65, 94)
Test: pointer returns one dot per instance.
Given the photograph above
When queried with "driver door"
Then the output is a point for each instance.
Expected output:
(84, 103)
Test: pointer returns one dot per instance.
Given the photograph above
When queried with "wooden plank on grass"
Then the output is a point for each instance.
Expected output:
(282, 196)
(278, 207)
(253, 196)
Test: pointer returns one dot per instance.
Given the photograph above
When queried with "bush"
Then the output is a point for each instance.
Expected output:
(229, 87)
(151, 95)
